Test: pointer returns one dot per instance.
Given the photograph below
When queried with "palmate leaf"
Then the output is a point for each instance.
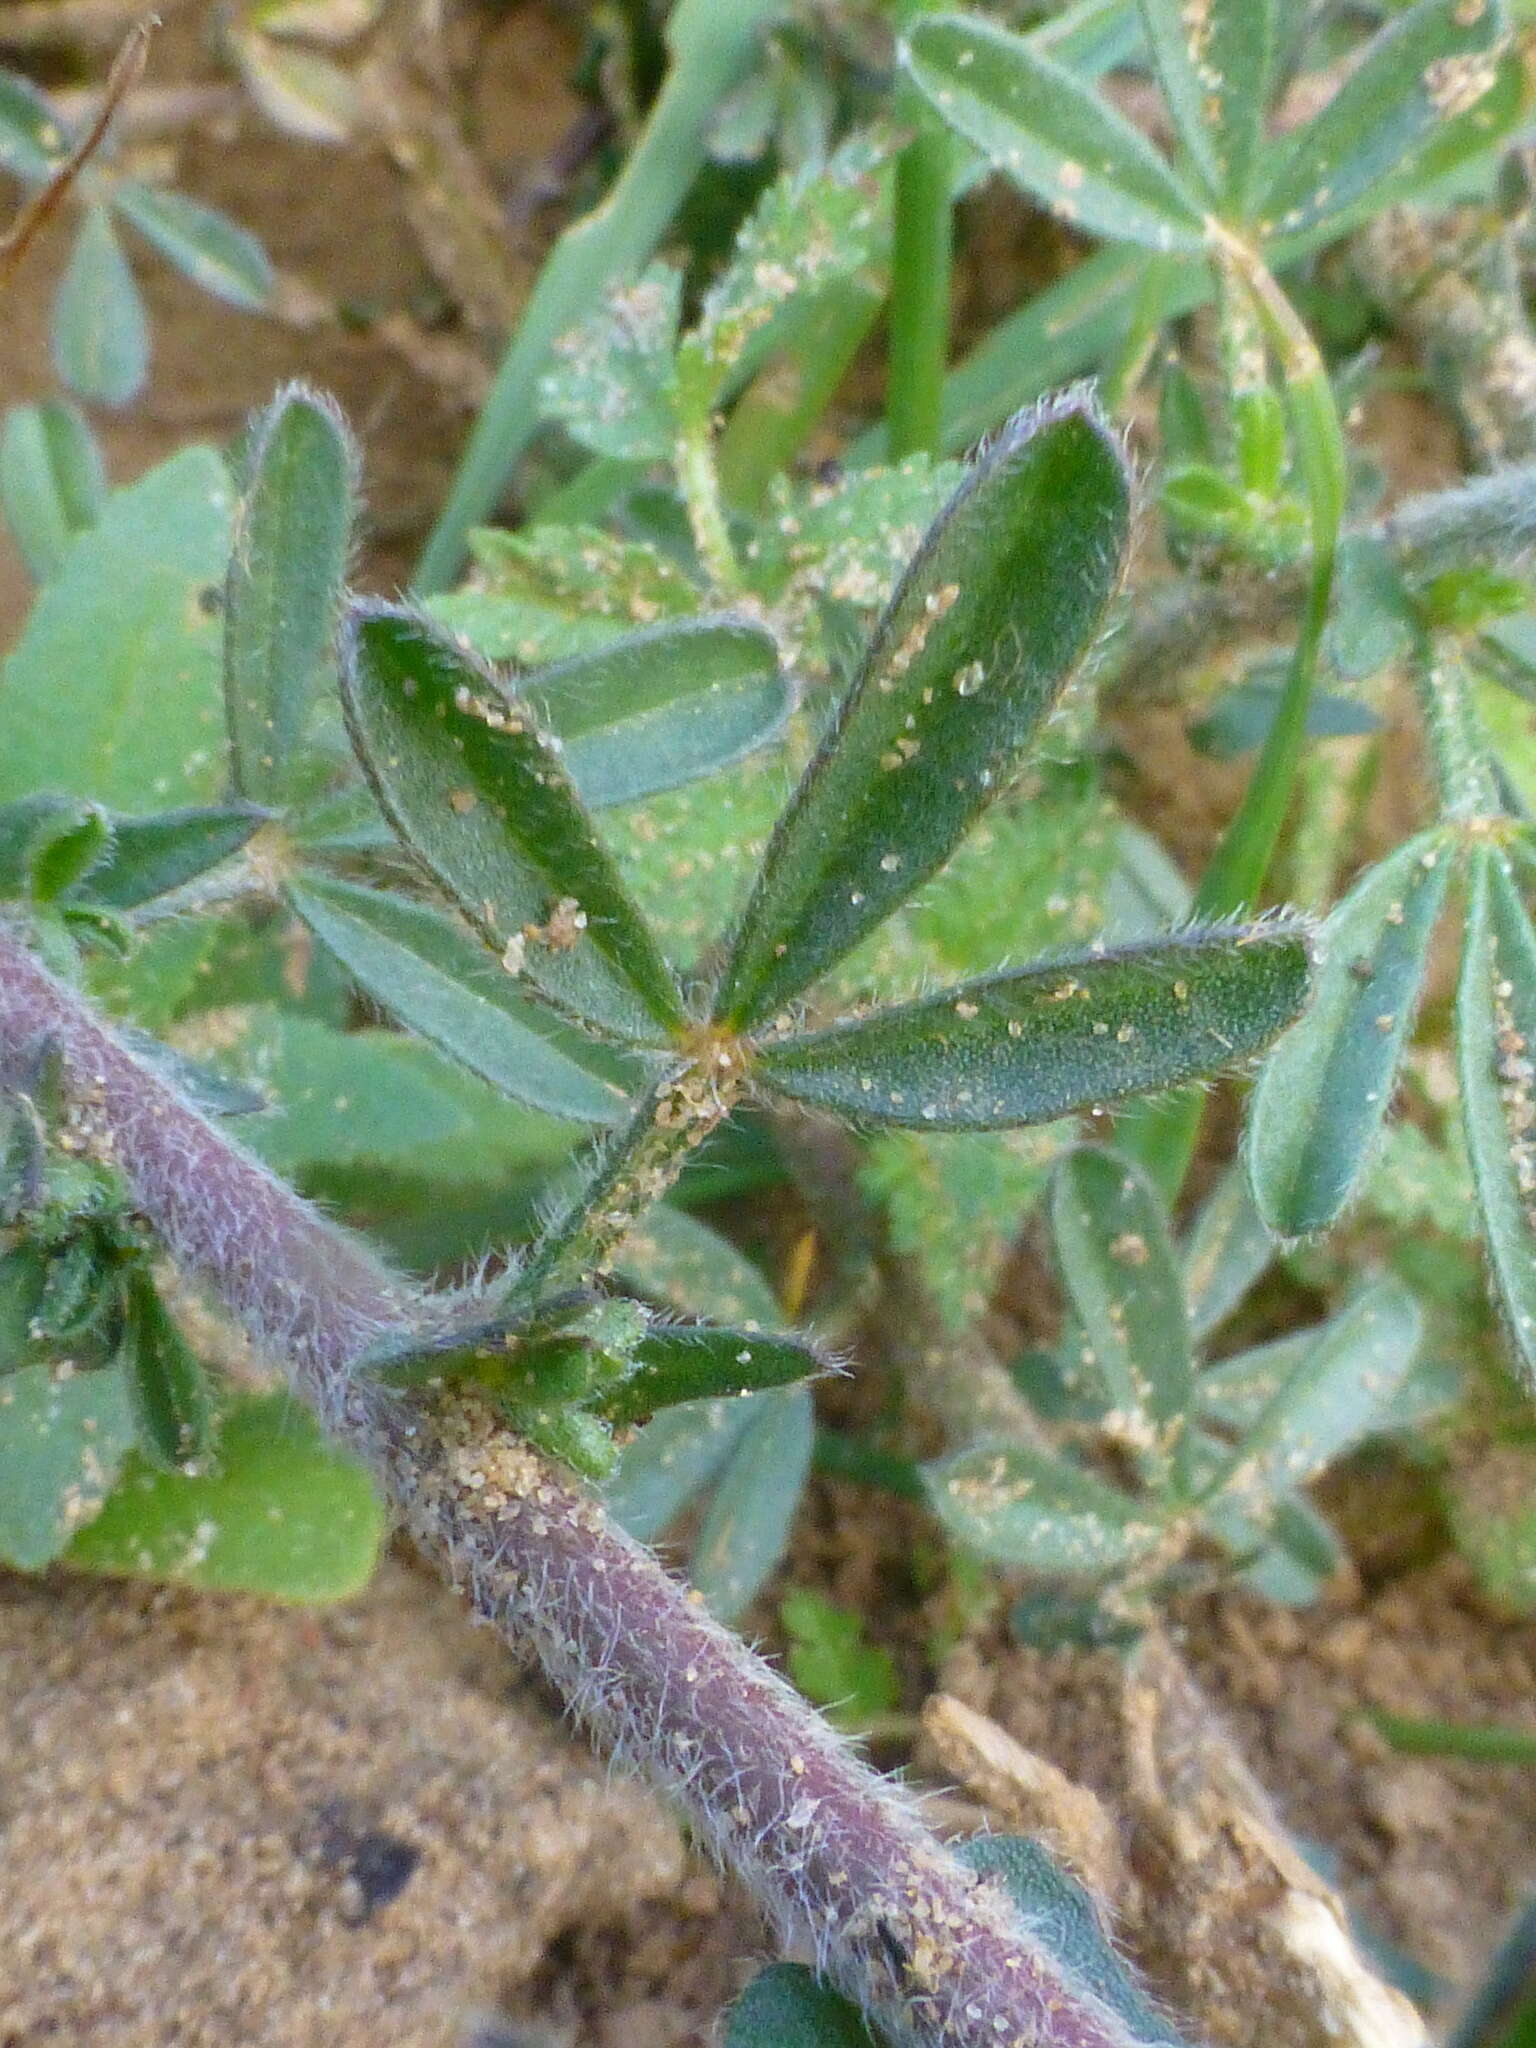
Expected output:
(1027, 1046)
(1323, 1095)
(440, 982)
(282, 597)
(1110, 1230)
(483, 801)
(1430, 90)
(1052, 133)
(1217, 66)
(1496, 1034)
(994, 614)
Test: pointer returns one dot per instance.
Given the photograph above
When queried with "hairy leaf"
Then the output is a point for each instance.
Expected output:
(1052, 133)
(1227, 1249)
(700, 1362)
(1325, 1092)
(479, 796)
(131, 619)
(785, 2006)
(610, 380)
(436, 979)
(674, 1458)
(1110, 1230)
(167, 1390)
(994, 613)
(674, 1258)
(1217, 65)
(285, 1515)
(662, 707)
(1429, 91)
(1016, 1505)
(282, 596)
(1496, 1033)
(148, 857)
(1028, 1046)
(47, 843)
(53, 483)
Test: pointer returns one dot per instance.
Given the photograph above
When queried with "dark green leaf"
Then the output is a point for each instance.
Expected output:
(1341, 1386)
(149, 857)
(63, 1437)
(481, 798)
(23, 1276)
(993, 615)
(167, 1389)
(700, 1362)
(1061, 1916)
(33, 140)
(1015, 1505)
(52, 481)
(1110, 1230)
(1028, 1046)
(205, 246)
(661, 707)
(1059, 138)
(47, 843)
(1217, 65)
(283, 593)
(853, 1680)
(100, 332)
(786, 2007)
(1496, 1032)
(1429, 91)
(439, 981)
(284, 1515)
(1324, 1093)
(746, 1527)
(131, 619)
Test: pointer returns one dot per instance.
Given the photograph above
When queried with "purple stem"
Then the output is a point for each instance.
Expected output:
(835, 1856)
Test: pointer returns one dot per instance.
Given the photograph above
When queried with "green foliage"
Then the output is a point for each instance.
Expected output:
(53, 483)
(100, 330)
(833, 1665)
(1221, 1452)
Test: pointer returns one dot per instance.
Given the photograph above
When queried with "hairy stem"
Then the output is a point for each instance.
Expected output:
(835, 1857)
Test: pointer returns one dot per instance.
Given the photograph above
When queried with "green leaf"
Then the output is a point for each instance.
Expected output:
(661, 707)
(1429, 91)
(746, 1527)
(998, 607)
(701, 1362)
(436, 979)
(63, 1437)
(148, 857)
(1331, 1399)
(610, 379)
(1496, 1030)
(1217, 67)
(1491, 1502)
(53, 483)
(1032, 1045)
(672, 1459)
(205, 246)
(785, 2006)
(1061, 1916)
(283, 593)
(131, 618)
(1015, 1505)
(47, 843)
(1052, 133)
(100, 332)
(33, 140)
(672, 1257)
(832, 1663)
(1324, 1093)
(1227, 1249)
(167, 1389)
(479, 796)
(1110, 1229)
(284, 1516)
(553, 591)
